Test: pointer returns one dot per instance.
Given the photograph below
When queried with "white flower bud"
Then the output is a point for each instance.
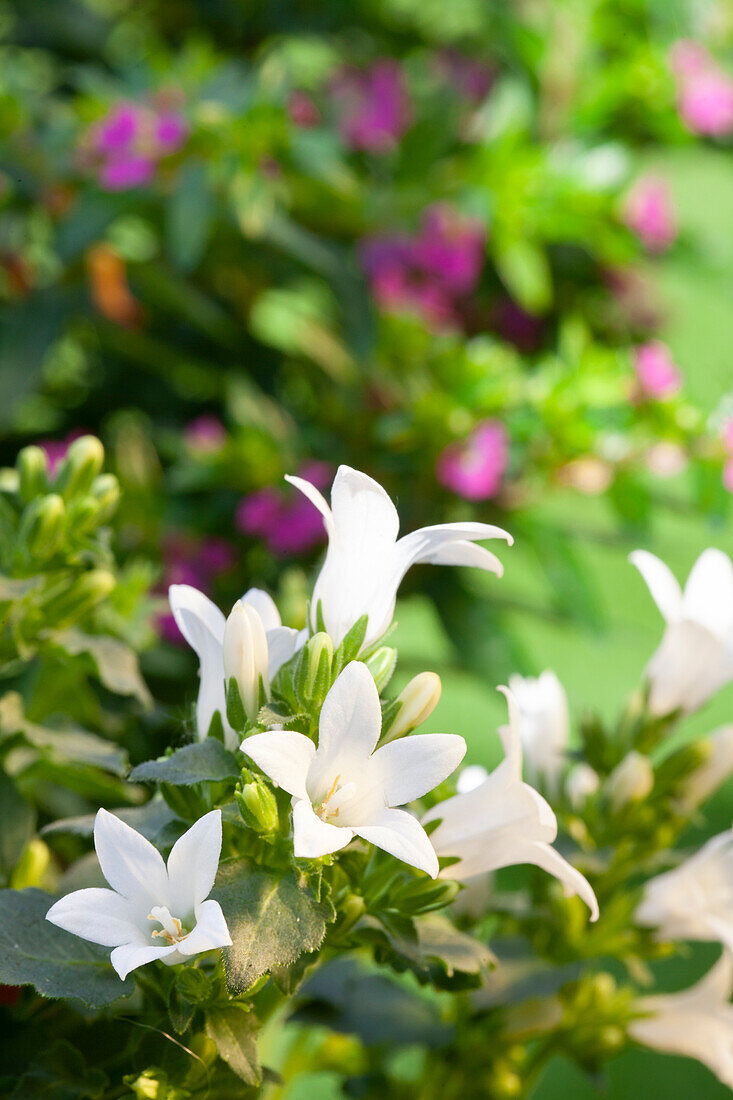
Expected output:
(582, 782)
(630, 781)
(417, 701)
(245, 655)
(713, 772)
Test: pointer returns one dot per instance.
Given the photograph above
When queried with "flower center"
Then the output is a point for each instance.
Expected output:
(334, 801)
(172, 930)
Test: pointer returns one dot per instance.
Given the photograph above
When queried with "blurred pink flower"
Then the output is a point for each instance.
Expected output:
(649, 212)
(288, 524)
(704, 91)
(195, 561)
(514, 324)
(373, 106)
(55, 450)
(471, 79)
(726, 434)
(430, 272)
(474, 468)
(302, 111)
(656, 373)
(205, 435)
(728, 475)
(126, 145)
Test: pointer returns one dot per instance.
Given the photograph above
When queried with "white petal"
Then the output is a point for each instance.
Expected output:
(511, 735)
(202, 625)
(129, 862)
(284, 756)
(686, 669)
(362, 508)
(312, 837)
(465, 553)
(437, 544)
(209, 932)
(412, 766)
(402, 835)
(661, 582)
(544, 856)
(282, 643)
(708, 598)
(316, 498)
(130, 956)
(471, 777)
(265, 607)
(98, 915)
(193, 863)
(350, 722)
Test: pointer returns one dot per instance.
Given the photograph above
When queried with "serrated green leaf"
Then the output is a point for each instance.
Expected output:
(205, 762)
(272, 921)
(34, 952)
(233, 1029)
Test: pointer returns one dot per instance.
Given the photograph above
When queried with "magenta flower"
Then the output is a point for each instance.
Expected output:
(205, 435)
(373, 106)
(469, 78)
(649, 213)
(126, 146)
(118, 130)
(288, 525)
(193, 561)
(474, 468)
(656, 373)
(704, 91)
(124, 173)
(516, 326)
(431, 272)
(171, 130)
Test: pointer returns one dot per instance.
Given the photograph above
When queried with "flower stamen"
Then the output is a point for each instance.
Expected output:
(172, 931)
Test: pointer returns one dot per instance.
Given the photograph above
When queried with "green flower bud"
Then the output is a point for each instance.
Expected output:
(32, 473)
(83, 462)
(258, 807)
(79, 597)
(631, 781)
(417, 701)
(316, 668)
(42, 526)
(106, 491)
(381, 664)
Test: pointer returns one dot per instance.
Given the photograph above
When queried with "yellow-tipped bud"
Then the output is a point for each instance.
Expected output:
(416, 702)
(83, 462)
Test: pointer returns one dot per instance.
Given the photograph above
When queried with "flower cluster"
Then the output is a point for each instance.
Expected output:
(126, 146)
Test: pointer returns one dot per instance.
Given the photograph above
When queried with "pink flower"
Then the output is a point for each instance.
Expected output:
(726, 434)
(656, 373)
(118, 130)
(123, 173)
(288, 524)
(471, 79)
(302, 111)
(126, 146)
(205, 435)
(428, 273)
(194, 561)
(171, 130)
(514, 324)
(728, 475)
(55, 450)
(649, 212)
(474, 468)
(374, 110)
(704, 91)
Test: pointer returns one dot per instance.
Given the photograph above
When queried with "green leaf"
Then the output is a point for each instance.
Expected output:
(34, 952)
(525, 272)
(60, 1073)
(16, 825)
(438, 954)
(233, 1029)
(204, 762)
(272, 921)
(116, 663)
(155, 821)
(189, 216)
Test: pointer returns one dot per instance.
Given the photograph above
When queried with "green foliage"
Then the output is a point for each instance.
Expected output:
(206, 762)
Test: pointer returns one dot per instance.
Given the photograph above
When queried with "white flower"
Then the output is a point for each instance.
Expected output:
(697, 1022)
(153, 911)
(582, 782)
(366, 561)
(545, 725)
(344, 788)
(503, 821)
(713, 772)
(695, 656)
(695, 900)
(470, 777)
(202, 625)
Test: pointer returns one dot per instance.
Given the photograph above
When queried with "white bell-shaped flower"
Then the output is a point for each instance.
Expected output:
(545, 725)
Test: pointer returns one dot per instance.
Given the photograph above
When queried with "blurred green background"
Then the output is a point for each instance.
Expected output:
(221, 269)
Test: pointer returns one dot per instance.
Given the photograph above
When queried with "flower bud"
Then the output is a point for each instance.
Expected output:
(83, 462)
(245, 656)
(581, 784)
(416, 702)
(258, 806)
(381, 664)
(32, 473)
(79, 597)
(631, 781)
(42, 526)
(106, 491)
(713, 772)
(316, 667)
